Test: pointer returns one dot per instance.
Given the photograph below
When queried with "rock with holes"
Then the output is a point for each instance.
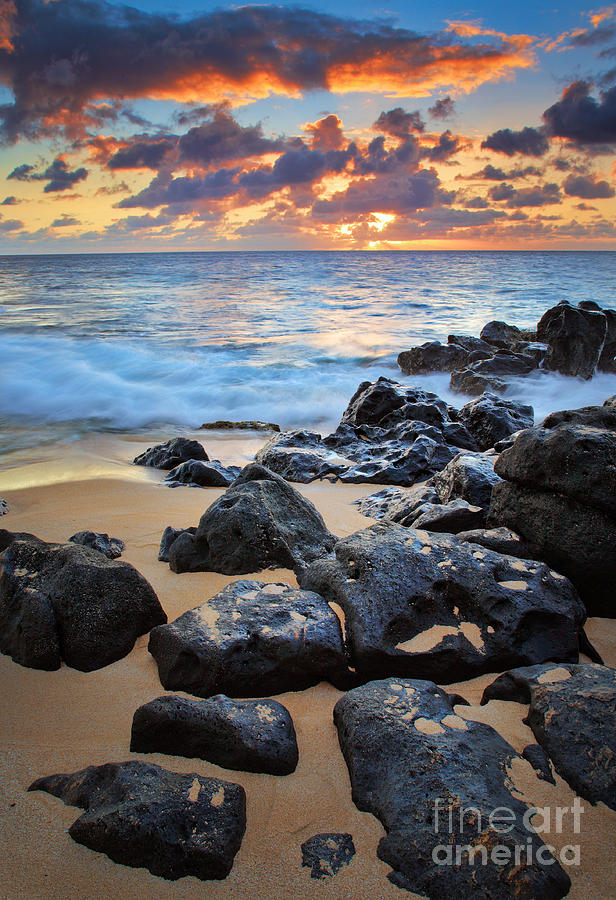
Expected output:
(251, 735)
(67, 602)
(501, 540)
(251, 640)
(593, 416)
(384, 403)
(197, 473)
(397, 504)
(491, 419)
(300, 456)
(434, 780)
(171, 454)
(432, 357)
(142, 815)
(110, 547)
(573, 717)
(259, 521)
(326, 854)
(427, 604)
(469, 476)
(7, 537)
(575, 339)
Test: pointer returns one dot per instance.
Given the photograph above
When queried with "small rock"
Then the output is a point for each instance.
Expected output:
(239, 426)
(540, 762)
(197, 473)
(169, 536)
(470, 477)
(490, 419)
(500, 334)
(457, 515)
(110, 547)
(4, 508)
(432, 357)
(171, 454)
(326, 854)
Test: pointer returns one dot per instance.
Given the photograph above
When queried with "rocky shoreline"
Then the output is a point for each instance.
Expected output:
(491, 544)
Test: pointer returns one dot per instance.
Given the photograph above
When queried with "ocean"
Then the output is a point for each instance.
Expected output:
(128, 342)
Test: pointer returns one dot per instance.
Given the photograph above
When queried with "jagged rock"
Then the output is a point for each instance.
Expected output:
(431, 357)
(169, 536)
(569, 459)
(575, 339)
(225, 425)
(384, 403)
(469, 476)
(572, 717)
(535, 349)
(490, 419)
(326, 854)
(397, 504)
(141, 815)
(451, 517)
(418, 603)
(66, 602)
(251, 640)
(299, 456)
(414, 763)
(110, 547)
(416, 462)
(593, 416)
(259, 521)
(492, 373)
(501, 540)
(198, 473)
(472, 344)
(540, 762)
(251, 735)
(500, 334)
(7, 537)
(4, 508)
(607, 360)
(171, 454)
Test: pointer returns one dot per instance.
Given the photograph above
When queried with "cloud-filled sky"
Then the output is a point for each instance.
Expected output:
(306, 126)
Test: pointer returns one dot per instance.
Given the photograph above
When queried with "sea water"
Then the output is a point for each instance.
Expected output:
(132, 341)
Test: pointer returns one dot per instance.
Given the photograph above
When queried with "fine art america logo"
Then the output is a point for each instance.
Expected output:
(494, 842)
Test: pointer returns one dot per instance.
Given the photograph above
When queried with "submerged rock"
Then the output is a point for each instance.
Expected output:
(259, 521)
(251, 735)
(198, 473)
(171, 454)
(430, 605)
(141, 815)
(251, 640)
(572, 715)
(67, 602)
(434, 781)
(110, 547)
(326, 854)
(490, 419)
(225, 425)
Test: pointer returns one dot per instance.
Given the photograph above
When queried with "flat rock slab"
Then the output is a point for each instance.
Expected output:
(259, 521)
(251, 640)
(427, 604)
(141, 815)
(171, 454)
(250, 735)
(109, 546)
(326, 854)
(573, 717)
(67, 602)
(433, 780)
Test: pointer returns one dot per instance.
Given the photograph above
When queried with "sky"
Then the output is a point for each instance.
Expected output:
(319, 125)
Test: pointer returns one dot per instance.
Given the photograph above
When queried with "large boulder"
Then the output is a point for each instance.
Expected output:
(67, 602)
(141, 815)
(427, 604)
(251, 640)
(593, 416)
(575, 339)
(572, 715)
(259, 521)
(500, 334)
(607, 360)
(171, 454)
(493, 373)
(384, 402)
(559, 496)
(490, 419)
(251, 735)
(438, 784)
(432, 357)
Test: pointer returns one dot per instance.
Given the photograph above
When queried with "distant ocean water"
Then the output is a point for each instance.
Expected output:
(131, 341)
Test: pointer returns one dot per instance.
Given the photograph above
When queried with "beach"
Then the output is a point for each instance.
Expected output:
(66, 720)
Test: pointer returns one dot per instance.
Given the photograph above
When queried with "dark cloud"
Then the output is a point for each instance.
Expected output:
(67, 54)
(492, 173)
(442, 109)
(448, 145)
(586, 207)
(223, 138)
(477, 203)
(10, 201)
(327, 133)
(377, 159)
(21, 173)
(542, 195)
(582, 118)
(64, 222)
(164, 190)
(587, 187)
(528, 141)
(398, 195)
(58, 175)
(11, 225)
(399, 123)
(299, 165)
(147, 153)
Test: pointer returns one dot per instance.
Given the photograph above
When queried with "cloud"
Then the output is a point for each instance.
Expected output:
(11, 225)
(492, 173)
(528, 141)
(142, 154)
(165, 190)
(442, 109)
(75, 52)
(587, 187)
(542, 195)
(8, 12)
(58, 175)
(399, 123)
(9, 201)
(223, 138)
(327, 133)
(448, 145)
(397, 195)
(21, 173)
(65, 222)
(582, 118)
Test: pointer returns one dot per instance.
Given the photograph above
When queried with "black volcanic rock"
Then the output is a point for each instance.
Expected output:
(251, 735)
(171, 454)
(490, 419)
(397, 504)
(427, 604)
(501, 540)
(326, 854)
(412, 760)
(492, 373)
(67, 602)
(431, 357)
(7, 537)
(469, 476)
(251, 640)
(141, 815)
(572, 715)
(259, 521)
(451, 517)
(299, 456)
(500, 334)
(197, 473)
(384, 403)
(592, 416)
(575, 339)
(169, 535)
(110, 547)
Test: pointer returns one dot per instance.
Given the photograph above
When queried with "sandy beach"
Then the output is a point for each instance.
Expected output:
(66, 720)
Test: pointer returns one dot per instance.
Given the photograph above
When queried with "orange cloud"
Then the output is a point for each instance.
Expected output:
(8, 11)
